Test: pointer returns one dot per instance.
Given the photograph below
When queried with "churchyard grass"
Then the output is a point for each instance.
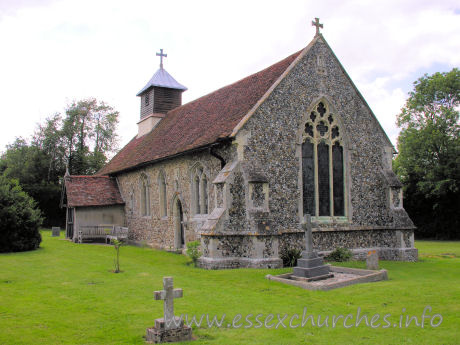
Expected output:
(65, 293)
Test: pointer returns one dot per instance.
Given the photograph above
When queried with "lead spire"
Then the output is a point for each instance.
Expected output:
(161, 55)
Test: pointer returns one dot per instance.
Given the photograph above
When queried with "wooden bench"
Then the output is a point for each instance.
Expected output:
(106, 232)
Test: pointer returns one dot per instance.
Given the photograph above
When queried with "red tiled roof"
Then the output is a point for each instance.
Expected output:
(200, 122)
(92, 191)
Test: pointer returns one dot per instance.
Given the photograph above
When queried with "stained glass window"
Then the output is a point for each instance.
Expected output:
(323, 164)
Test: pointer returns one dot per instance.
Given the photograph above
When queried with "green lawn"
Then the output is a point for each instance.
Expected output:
(64, 293)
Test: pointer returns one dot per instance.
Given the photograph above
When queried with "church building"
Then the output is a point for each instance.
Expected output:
(239, 168)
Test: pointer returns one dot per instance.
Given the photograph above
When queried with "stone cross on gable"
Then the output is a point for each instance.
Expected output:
(317, 24)
(161, 55)
(168, 295)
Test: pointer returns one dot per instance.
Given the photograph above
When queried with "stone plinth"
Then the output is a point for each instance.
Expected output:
(160, 334)
(311, 267)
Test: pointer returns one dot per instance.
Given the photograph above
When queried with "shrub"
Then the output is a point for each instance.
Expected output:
(19, 218)
(193, 251)
(339, 255)
(290, 256)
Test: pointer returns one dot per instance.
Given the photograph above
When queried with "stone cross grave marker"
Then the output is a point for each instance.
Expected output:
(310, 266)
(168, 295)
(169, 329)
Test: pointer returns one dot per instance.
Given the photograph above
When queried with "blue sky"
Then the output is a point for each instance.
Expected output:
(57, 51)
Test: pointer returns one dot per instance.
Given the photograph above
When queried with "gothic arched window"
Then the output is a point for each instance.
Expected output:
(204, 194)
(162, 192)
(131, 203)
(199, 191)
(323, 164)
(145, 196)
(196, 186)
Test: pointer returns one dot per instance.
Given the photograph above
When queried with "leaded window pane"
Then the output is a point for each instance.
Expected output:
(337, 165)
(323, 179)
(197, 194)
(308, 175)
(205, 195)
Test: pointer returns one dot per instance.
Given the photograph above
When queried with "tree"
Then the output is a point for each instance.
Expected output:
(30, 166)
(428, 162)
(89, 135)
(82, 140)
(19, 218)
(48, 138)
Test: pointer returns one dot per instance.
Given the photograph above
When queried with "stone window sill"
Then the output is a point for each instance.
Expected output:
(328, 220)
(200, 216)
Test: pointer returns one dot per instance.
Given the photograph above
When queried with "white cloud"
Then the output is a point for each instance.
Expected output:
(53, 52)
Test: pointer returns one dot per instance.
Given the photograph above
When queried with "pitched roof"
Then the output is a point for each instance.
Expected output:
(201, 122)
(92, 191)
(162, 78)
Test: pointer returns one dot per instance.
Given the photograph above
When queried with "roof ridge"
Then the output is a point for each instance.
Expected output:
(236, 82)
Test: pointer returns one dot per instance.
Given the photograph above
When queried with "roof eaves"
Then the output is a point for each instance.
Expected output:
(218, 141)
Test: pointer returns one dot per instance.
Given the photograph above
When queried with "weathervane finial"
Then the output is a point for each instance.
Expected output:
(161, 55)
(318, 25)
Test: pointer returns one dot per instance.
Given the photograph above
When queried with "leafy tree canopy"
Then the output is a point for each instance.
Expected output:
(428, 162)
(19, 218)
(83, 140)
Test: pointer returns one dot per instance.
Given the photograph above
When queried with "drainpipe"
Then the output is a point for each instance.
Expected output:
(214, 154)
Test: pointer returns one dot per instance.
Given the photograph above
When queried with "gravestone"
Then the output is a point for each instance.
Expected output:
(56, 231)
(169, 328)
(372, 260)
(310, 267)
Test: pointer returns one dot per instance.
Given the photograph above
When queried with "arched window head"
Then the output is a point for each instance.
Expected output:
(162, 192)
(145, 196)
(323, 176)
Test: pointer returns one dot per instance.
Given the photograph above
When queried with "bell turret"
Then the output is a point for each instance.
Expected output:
(161, 94)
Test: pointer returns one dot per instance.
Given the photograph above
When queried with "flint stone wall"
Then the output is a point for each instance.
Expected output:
(272, 145)
(157, 231)
(269, 145)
